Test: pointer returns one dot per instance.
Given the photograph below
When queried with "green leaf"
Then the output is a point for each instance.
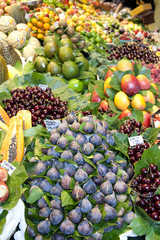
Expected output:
(35, 194)
(140, 226)
(152, 235)
(151, 135)
(113, 122)
(66, 199)
(111, 93)
(137, 115)
(149, 106)
(150, 155)
(34, 131)
(28, 67)
(112, 106)
(40, 51)
(3, 220)
(121, 140)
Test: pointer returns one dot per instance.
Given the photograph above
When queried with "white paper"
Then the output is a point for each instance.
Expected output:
(133, 141)
(51, 124)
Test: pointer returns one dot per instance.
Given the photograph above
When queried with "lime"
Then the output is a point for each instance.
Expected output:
(88, 34)
(98, 39)
(52, 38)
(93, 34)
(50, 49)
(66, 42)
(92, 39)
(65, 54)
(54, 68)
(82, 63)
(90, 48)
(76, 85)
(83, 32)
(41, 64)
(70, 69)
(87, 81)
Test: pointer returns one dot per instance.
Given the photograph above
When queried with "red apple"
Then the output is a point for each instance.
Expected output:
(143, 81)
(104, 105)
(95, 97)
(147, 119)
(130, 84)
(125, 113)
(3, 175)
(4, 192)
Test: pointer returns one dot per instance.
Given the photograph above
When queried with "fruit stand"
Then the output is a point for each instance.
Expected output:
(79, 122)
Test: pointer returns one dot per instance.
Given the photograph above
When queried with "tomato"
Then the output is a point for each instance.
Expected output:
(76, 85)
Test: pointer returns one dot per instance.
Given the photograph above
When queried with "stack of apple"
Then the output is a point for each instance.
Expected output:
(136, 91)
(4, 191)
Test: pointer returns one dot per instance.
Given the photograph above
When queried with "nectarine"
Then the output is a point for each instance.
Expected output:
(124, 65)
(121, 101)
(3, 175)
(4, 192)
(138, 102)
(147, 119)
(130, 84)
(106, 85)
(143, 81)
(110, 71)
(104, 105)
(125, 113)
(95, 97)
(149, 97)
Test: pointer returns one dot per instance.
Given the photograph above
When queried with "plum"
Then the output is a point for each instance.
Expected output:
(71, 118)
(96, 140)
(69, 133)
(110, 138)
(40, 168)
(106, 187)
(120, 186)
(88, 168)
(90, 187)
(42, 203)
(102, 169)
(104, 124)
(114, 168)
(56, 217)
(75, 126)
(108, 229)
(80, 139)
(121, 212)
(62, 142)
(56, 190)
(111, 177)
(80, 175)
(56, 203)
(111, 156)
(111, 213)
(66, 181)
(97, 236)
(128, 217)
(85, 228)
(78, 158)
(98, 197)
(121, 197)
(100, 130)
(45, 186)
(63, 127)
(53, 152)
(67, 227)
(75, 215)
(97, 157)
(58, 236)
(77, 192)
(89, 127)
(53, 173)
(74, 146)
(125, 176)
(111, 200)
(43, 227)
(70, 169)
(57, 164)
(31, 232)
(67, 154)
(85, 205)
(98, 180)
(94, 216)
(38, 237)
(54, 138)
(44, 212)
(87, 148)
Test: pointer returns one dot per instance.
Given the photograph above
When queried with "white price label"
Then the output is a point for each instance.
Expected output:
(27, 17)
(135, 140)
(43, 87)
(62, 16)
(10, 168)
(56, 24)
(51, 124)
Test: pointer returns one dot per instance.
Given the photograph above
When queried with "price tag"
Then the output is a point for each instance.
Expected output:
(10, 168)
(51, 124)
(135, 140)
(43, 87)
(27, 17)
(56, 24)
(62, 16)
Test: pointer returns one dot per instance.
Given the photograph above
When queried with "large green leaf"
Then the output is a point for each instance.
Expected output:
(121, 140)
(151, 135)
(137, 115)
(140, 226)
(3, 219)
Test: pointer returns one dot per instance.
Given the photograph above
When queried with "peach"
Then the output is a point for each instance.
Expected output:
(149, 97)
(125, 113)
(143, 81)
(124, 65)
(104, 105)
(3, 175)
(154, 109)
(106, 85)
(147, 119)
(138, 102)
(95, 97)
(4, 192)
(130, 84)
(110, 71)
(156, 88)
(121, 100)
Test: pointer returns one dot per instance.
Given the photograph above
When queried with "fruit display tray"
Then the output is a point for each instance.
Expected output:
(141, 9)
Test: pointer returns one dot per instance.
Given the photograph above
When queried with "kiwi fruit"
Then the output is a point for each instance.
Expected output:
(74, 39)
(64, 36)
(60, 31)
(62, 23)
(70, 30)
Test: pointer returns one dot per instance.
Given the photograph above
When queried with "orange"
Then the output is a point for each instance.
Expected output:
(40, 36)
(34, 34)
(51, 12)
(39, 24)
(40, 17)
(41, 31)
(29, 24)
(46, 26)
(121, 100)
(46, 10)
(34, 28)
(46, 20)
(34, 21)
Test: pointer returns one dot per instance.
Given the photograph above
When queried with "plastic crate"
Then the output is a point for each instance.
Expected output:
(141, 9)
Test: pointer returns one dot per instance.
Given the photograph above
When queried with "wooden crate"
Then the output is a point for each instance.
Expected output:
(141, 9)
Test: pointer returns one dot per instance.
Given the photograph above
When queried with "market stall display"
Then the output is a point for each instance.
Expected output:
(79, 122)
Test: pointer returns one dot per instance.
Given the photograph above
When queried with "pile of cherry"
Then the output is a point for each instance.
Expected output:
(146, 185)
(41, 103)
